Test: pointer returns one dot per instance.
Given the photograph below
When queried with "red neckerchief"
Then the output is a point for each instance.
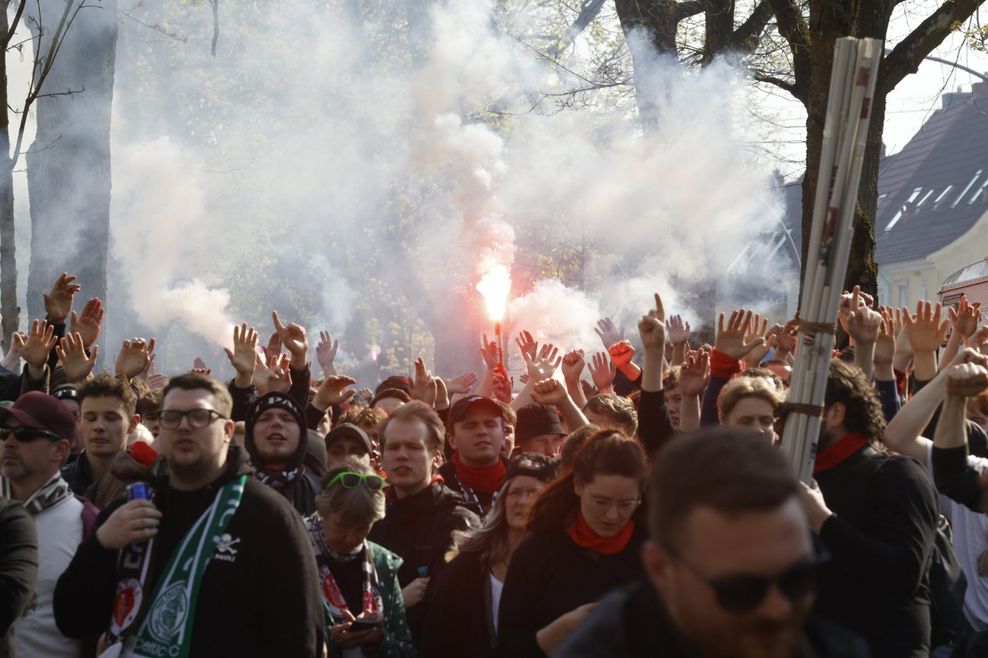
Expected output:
(585, 536)
(485, 479)
(838, 451)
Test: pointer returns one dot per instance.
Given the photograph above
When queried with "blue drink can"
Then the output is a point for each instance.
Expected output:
(139, 491)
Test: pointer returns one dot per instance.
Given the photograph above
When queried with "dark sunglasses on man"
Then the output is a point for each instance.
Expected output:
(741, 593)
(27, 434)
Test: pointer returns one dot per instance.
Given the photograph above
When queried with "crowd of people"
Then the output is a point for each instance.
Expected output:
(633, 502)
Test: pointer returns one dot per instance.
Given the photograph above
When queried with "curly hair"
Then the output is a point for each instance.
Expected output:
(618, 409)
(863, 411)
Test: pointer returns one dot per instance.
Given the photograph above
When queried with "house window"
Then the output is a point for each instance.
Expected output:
(940, 198)
(979, 193)
(928, 195)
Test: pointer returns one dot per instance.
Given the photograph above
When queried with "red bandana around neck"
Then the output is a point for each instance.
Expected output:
(585, 536)
(485, 479)
(838, 451)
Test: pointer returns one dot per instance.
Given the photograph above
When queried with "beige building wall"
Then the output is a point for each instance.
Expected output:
(904, 284)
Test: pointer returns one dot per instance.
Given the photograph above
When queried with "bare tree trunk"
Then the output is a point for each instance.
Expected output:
(8, 258)
(69, 164)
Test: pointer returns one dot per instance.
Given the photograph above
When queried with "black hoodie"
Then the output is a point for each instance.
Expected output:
(261, 599)
(302, 490)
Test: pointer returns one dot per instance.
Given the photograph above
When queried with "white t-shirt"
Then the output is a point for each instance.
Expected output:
(970, 531)
(59, 534)
(496, 587)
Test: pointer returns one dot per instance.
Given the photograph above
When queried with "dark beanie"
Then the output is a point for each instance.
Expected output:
(275, 401)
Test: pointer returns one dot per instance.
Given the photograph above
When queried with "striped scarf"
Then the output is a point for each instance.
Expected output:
(51, 493)
(334, 604)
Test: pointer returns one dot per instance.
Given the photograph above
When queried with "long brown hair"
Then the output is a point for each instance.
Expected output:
(607, 452)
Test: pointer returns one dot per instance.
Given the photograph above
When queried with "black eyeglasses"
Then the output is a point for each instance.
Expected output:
(743, 593)
(170, 419)
(27, 434)
(351, 480)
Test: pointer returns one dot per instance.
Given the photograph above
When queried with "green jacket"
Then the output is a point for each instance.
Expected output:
(397, 641)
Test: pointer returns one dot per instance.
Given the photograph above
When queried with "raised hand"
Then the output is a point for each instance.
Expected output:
(58, 301)
(544, 365)
(12, 359)
(769, 340)
(244, 356)
(326, 350)
(36, 347)
(526, 344)
(135, 356)
(549, 391)
(602, 372)
(501, 385)
(677, 329)
(967, 379)
(488, 350)
(423, 384)
(608, 332)
(861, 322)
(926, 330)
(885, 345)
(622, 353)
(695, 373)
(462, 384)
(333, 391)
(72, 353)
(651, 329)
(89, 324)
(785, 341)
(275, 376)
(573, 365)
(294, 339)
(979, 340)
(964, 319)
(850, 302)
(731, 338)
(273, 347)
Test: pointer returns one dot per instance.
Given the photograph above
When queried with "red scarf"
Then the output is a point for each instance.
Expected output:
(838, 451)
(585, 536)
(485, 479)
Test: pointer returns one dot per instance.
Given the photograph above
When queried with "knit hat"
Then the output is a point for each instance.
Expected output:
(275, 401)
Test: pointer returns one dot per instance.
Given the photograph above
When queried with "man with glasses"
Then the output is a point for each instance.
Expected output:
(213, 564)
(730, 563)
(37, 433)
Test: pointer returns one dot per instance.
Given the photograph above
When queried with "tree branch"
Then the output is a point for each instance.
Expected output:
(588, 12)
(15, 21)
(793, 28)
(778, 82)
(745, 38)
(906, 57)
(692, 7)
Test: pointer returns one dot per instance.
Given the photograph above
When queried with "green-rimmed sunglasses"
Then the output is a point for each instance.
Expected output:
(351, 480)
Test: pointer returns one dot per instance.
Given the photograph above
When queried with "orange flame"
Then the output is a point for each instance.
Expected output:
(495, 286)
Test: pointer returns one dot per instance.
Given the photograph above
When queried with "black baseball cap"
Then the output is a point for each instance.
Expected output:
(463, 406)
(344, 430)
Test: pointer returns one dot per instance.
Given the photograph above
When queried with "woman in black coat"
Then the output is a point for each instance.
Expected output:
(584, 542)
(462, 620)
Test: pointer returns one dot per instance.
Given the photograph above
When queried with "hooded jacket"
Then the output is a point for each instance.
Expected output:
(419, 529)
(301, 490)
(260, 597)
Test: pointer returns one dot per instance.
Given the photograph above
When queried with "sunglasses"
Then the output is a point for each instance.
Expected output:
(743, 593)
(351, 480)
(170, 419)
(27, 434)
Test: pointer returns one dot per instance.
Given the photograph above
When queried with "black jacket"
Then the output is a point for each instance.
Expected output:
(632, 622)
(460, 620)
(880, 543)
(419, 529)
(18, 567)
(78, 474)
(551, 575)
(263, 602)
